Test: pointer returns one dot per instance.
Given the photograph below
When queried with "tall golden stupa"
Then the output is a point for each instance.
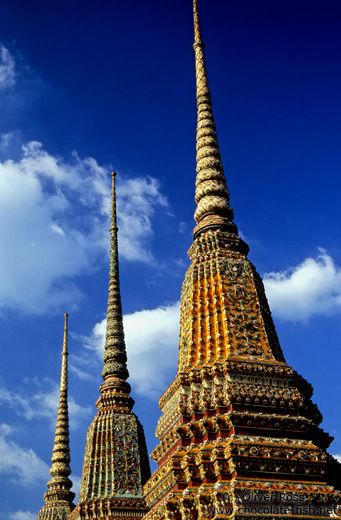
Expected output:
(239, 436)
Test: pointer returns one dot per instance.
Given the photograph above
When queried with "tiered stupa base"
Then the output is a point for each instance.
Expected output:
(57, 507)
(243, 442)
(116, 461)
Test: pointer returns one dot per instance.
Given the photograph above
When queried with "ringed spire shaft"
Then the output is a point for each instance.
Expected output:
(213, 210)
(115, 355)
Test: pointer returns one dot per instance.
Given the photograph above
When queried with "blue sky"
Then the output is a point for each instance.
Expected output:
(90, 86)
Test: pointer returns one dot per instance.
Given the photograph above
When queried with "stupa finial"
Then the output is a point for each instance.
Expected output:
(211, 195)
(59, 498)
(197, 28)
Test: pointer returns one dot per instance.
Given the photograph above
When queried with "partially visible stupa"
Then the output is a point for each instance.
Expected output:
(59, 497)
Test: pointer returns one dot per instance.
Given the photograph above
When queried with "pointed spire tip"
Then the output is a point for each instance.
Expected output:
(213, 210)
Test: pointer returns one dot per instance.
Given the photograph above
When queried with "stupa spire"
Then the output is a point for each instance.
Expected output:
(115, 354)
(116, 461)
(213, 210)
(59, 498)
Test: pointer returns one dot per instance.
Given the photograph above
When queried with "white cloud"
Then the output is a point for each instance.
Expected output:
(22, 515)
(152, 339)
(311, 288)
(6, 139)
(7, 68)
(54, 220)
(137, 199)
(18, 463)
(44, 405)
(81, 374)
(337, 457)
